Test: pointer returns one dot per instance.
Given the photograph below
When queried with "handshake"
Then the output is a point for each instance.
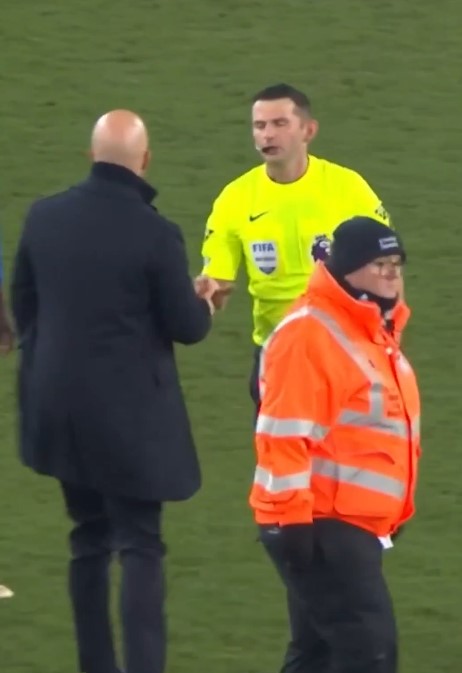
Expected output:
(212, 291)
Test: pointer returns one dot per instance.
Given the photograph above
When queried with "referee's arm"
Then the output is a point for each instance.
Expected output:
(221, 249)
(366, 202)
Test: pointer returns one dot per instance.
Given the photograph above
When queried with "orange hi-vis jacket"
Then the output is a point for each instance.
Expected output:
(338, 433)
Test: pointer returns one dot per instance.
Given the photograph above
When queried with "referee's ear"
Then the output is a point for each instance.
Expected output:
(311, 130)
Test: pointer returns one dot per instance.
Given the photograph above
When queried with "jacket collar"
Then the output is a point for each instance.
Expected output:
(324, 292)
(118, 175)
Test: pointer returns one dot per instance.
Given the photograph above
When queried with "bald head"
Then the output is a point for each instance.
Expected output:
(120, 137)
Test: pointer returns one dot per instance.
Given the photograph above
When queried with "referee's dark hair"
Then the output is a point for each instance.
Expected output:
(277, 91)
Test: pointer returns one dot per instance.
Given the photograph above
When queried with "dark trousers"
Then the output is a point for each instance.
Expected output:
(300, 657)
(132, 529)
(343, 600)
(253, 381)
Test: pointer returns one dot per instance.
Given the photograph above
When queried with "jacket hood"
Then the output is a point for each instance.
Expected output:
(324, 292)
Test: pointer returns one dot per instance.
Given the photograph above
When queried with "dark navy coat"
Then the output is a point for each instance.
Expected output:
(100, 293)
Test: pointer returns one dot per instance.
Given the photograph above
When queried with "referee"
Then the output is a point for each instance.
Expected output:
(278, 218)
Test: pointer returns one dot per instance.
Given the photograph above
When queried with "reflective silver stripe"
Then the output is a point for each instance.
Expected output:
(289, 482)
(376, 392)
(375, 418)
(337, 332)
(387, 425)
(368, 479)
(290, 427)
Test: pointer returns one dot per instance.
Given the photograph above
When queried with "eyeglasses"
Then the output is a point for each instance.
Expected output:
(382, 267)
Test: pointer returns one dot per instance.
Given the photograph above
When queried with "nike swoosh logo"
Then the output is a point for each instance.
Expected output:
(252, 218)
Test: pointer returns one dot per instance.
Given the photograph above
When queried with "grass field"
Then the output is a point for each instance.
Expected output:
(385, 80)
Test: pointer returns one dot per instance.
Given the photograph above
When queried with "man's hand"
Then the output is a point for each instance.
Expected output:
(221, 289)
(206, 288)
(6, 336)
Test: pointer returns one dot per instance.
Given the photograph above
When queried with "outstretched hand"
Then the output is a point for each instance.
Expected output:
(206, 288)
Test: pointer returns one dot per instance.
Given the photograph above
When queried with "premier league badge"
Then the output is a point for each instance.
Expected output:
(320, 248)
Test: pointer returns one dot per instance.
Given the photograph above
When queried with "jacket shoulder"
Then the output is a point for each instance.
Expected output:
(298, 325)
(42, 208)
(312, 338)
(49, 201)
(164, 226)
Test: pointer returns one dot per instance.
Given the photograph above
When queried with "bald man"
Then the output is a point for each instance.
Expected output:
(101, 292)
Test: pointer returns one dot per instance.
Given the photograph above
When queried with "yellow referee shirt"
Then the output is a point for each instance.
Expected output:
(272, 227)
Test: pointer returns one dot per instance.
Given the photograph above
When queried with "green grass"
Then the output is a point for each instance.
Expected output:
(385, 80)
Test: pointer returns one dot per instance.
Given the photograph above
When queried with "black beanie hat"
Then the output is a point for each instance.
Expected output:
(359, 241)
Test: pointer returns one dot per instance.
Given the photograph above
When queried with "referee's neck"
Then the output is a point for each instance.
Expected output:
(291, 171)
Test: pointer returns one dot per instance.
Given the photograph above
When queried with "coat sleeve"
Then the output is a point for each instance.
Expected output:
(183, 316)
(23, 291)
(301, 399)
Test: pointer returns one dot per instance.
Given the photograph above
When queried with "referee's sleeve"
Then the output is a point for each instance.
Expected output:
(222, 247)
(364, 201)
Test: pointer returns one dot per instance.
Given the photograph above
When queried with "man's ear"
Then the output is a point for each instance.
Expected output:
(311, 131)
(146, 160)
